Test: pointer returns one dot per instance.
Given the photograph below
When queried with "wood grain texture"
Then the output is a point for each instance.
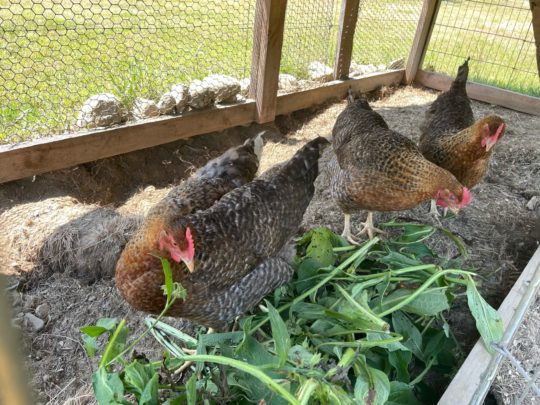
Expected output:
(428, 15)
(535, 11)
(347, 26)
(479, 364)
(59, 152)
(268, 40)
(482, 92)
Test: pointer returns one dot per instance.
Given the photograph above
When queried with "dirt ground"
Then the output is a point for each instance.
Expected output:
(500, 231)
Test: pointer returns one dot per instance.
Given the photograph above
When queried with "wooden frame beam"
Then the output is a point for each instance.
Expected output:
(59, 152)
(427, 19)
(266, 57)
(347, 27)
(482, 92)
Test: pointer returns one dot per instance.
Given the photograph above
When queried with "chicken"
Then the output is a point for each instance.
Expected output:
(234, 168)
(453, 140)
(227, 257)
(377, 169)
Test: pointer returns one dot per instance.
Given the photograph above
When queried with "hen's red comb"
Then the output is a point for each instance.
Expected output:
(190, 244)
(465, 198)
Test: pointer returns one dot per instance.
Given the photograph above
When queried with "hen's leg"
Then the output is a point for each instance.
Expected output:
(347, 234)
(433, 209)
(369, 228)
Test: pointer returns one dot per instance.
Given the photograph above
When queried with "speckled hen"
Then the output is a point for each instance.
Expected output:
(227, 257)
(377, 169)
(453, 140)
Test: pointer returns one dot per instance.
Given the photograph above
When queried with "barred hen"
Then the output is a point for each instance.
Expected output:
(453, 140)
(227, 257)
(377, 169)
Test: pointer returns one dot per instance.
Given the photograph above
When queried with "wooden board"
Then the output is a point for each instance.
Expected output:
(47, 154)
(59, 152)
(347, 26)
(482, 92)
(480, 366)
(428, 15)
(336, 89)
(268, 39)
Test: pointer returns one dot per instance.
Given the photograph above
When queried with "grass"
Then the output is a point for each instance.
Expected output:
(56, 54)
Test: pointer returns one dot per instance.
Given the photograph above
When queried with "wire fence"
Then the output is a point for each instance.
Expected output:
(496, 34)
(122, 56)
(385, 31)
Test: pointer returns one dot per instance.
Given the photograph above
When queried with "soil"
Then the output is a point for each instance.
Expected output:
(501, 233)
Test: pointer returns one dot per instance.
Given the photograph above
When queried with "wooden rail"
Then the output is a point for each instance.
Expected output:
(347, 26)
(58, 152)
(482, 92)
(266, 57)
(428, 15)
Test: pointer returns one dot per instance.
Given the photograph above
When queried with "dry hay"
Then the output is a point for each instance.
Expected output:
(509, 387)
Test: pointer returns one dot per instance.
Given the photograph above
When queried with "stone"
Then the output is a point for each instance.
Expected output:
(181, 96)
(244, 86)
(144, 108)
(319, 71)
(42, 311)
(533, 203)
(225, 87)
(381, 67)
(101, 110)
(287, 82)
(357, 69)
(201, 94)
(166, 104)
(33, 322)
(397, 64)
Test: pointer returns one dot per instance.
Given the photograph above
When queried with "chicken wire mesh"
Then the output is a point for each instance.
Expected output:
(66, 65)
(496, 34)
(384, 34)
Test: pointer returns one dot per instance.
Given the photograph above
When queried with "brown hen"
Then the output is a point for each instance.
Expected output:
(377, 169)
(452, 140)
(227, 257)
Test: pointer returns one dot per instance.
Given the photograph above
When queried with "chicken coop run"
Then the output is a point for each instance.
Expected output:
(84, 80)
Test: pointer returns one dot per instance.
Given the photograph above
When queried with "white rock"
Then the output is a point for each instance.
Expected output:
(181, 96)
(287, 82)
(166, 103)
(101, 110)
(319, 71)
(381, 67)
(397, 64)
(33, 322)
(244, 86)
(533, 203)
(201, 94)
(357, 69)
(225, 87)
(144, 108)
(42, 310)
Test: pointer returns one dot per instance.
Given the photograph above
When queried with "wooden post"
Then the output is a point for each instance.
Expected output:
(266, 58)
(421, 38)
(535, 10)
(347, 26)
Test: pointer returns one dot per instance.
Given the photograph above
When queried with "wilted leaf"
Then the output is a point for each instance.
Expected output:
(320, 248)
(93, 331)
(400, 360)
(372, 386)
(136, 377)
(429, 303)
(412, 338)
(488, 321)
(150, 393)
(401, 394)
(191, 390)
(108, 387)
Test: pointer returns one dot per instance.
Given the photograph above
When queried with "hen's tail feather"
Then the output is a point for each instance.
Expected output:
(305, 161)
(238, 164)
(462, 74)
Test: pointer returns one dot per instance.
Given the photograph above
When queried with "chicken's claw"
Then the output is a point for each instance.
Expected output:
(369, 228)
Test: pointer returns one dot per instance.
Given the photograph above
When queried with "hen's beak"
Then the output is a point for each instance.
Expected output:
(190, 264)
(490, 143)
(454, 210)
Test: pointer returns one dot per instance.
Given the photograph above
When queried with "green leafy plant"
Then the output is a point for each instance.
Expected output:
(357, 324)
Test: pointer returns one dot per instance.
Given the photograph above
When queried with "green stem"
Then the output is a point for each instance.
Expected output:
(247, 368)
(111, 344)
(423, 373)
(376, 320)
(421, 289)
(363, 344)
(362, 251)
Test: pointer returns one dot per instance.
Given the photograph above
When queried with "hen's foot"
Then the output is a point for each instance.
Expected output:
(191, 352)
(347, 234)
(433, 209)
(369, 228)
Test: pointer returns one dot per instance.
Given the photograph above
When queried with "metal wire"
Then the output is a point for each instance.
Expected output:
(55, 55)
(385, 30)
(496, 34)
